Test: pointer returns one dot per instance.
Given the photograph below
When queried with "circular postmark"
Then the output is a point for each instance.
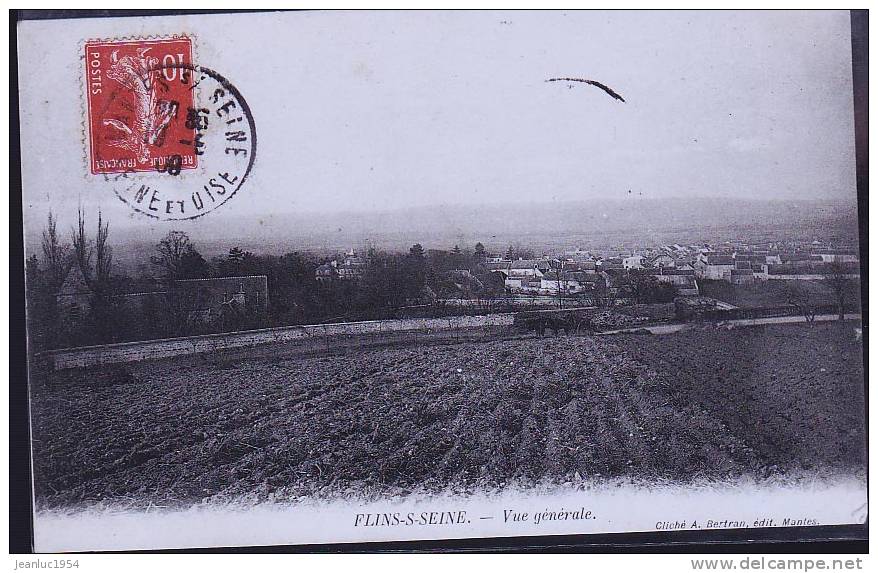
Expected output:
(203, 142)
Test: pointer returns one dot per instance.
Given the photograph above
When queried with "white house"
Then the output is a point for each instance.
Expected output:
(550, 284)
(831, 256)
(715, 267)
(524, 284)
(633, 262)
(684, 280)
(528, 268)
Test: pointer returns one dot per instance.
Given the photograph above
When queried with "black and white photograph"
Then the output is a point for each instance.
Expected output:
(316, 277)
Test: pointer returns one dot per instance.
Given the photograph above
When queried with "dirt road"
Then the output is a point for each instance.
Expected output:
(853, 319)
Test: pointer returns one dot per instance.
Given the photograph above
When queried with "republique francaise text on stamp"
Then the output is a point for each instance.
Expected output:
(176, 139)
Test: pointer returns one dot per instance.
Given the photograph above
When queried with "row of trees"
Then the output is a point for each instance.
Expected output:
(388, 283)
(94, 257)
(45, 277)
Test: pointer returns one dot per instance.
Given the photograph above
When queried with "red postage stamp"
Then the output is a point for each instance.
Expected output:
(139, 94)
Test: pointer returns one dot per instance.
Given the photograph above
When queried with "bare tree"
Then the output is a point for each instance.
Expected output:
(801, 300)
(561, 283)
(171, 251)
(103, 252)
(82, 249)
(178, 257)
(55, 255)
(839, 282)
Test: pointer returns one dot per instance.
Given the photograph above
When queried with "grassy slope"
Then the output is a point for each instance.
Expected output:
(776, 292)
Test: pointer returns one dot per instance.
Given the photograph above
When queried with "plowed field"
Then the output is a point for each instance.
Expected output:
(705, 404)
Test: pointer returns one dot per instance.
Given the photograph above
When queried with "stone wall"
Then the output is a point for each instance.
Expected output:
(169, 347)
(805, 277)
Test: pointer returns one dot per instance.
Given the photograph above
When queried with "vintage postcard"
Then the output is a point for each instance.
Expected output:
(325, 277)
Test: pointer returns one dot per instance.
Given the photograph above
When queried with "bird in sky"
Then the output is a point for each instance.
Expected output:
(607, 89)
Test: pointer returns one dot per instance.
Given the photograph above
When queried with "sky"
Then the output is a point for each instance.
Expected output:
(371, 111)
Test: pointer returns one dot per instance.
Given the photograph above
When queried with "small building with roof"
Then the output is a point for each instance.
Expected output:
(75, 295)
(207, 300)
(714, 267)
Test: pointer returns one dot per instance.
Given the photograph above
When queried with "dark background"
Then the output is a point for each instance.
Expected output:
(828, 539)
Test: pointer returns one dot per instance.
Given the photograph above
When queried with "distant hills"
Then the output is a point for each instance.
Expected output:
(544, 227)
(633, 220)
